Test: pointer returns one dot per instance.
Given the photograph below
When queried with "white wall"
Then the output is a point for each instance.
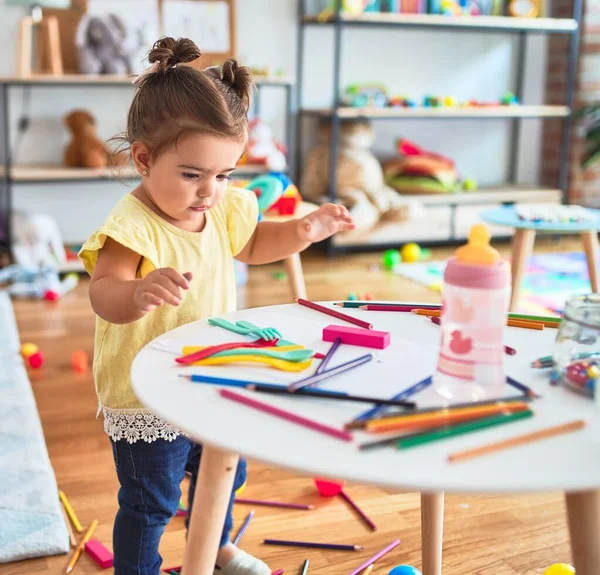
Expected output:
(411, 63)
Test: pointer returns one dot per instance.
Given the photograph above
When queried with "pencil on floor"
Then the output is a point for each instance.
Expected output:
(305, 567)
(72, 539)
(79, 549)
(243, 528)
(376, 557)
(517, 441)
(70, 512)
(313, 545)
(368, 570)
(279, 504)
(358, 511)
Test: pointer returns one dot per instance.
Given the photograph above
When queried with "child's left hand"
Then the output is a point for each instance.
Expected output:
(326, 221)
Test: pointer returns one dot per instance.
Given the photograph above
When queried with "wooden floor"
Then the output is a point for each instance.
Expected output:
(483, 535)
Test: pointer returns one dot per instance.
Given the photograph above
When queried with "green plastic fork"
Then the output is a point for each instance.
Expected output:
(268, 330)
(252, 331)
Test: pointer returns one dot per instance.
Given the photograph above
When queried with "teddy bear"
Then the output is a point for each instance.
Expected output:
(360, 184)
(263, 149)
(86, 149)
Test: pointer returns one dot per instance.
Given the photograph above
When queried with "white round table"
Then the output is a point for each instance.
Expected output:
(569, 463)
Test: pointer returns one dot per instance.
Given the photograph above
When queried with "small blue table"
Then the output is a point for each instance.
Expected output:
(524, 238)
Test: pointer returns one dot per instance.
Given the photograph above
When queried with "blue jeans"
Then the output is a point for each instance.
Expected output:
(150, 475)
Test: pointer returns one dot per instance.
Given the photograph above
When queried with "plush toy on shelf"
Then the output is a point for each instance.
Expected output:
(263, 149)
(417, 171)
(360, 184)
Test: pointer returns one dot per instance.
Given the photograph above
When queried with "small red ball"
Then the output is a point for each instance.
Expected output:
(51, 295)
(36, 360)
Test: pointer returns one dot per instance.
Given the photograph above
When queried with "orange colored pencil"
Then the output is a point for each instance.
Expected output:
(368, 570)
(72, 539)
(428, 312)
(79, 550)
(516, 441)
(425, 420)
(510, 322)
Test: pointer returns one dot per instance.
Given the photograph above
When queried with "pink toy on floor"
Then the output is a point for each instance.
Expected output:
(357, 336)
(99, 553)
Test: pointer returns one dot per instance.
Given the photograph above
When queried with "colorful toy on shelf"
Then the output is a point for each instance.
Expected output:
(509, 99)
(358, 296)
(263, 149)
(348, 6)
(365, 96)
(524, 8)
(276, 194)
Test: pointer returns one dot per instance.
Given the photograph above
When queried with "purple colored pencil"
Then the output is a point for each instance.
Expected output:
(328, 356)
(358, 510)
(287, 415)
(311, 545)
(278, 504)
(243, 528)
(376, 557)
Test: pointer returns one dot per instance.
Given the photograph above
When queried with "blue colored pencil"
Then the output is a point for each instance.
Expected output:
(328, 357)
(243, 528)
(521, 387)
(371, 413)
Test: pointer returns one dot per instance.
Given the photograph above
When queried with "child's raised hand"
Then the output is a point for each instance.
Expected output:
(161, 286)
(326, 221)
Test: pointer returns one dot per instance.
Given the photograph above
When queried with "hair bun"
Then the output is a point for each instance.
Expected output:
(237, 78)
(169, 52)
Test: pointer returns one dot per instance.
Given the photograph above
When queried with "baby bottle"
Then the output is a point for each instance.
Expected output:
(474, 307)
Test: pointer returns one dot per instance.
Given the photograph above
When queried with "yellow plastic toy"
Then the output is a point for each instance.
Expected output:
(411, 253)
(560, 569)
(478, 249)
(28, 349)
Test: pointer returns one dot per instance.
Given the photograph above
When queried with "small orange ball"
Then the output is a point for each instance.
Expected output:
(79, 361)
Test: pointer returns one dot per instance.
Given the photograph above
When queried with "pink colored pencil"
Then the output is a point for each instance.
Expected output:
(334, 313)
(358, 510)
(278, 504)
(278, 572)
(287, 415)
(376, 557)
(400, 308)
(507, 349)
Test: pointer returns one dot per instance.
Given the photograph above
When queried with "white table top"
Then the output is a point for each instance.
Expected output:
(567, 462)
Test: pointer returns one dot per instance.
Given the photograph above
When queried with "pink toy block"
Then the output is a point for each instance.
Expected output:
(357, 336)
(99, 553)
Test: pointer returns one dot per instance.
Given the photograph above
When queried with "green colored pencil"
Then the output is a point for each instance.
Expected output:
(460, 429)
(528, 317)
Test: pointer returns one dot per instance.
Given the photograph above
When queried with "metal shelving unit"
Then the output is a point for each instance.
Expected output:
(12, 175)
(510, 192)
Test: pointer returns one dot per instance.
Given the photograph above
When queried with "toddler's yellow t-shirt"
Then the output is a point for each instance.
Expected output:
(208, 255)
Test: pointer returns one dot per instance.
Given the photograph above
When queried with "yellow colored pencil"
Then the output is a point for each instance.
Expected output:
(517, 441)
(70, 512)
(425, 420)
(72, 539)
(79, 550)
(368, 570)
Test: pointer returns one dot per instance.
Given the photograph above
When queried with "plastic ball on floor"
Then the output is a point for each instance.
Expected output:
(80, 361)
(28, 349)
(560, 569)
(51, 295)
(36, 360)
(329, 488)
(391, 258)
(411, 253)
(405, 570)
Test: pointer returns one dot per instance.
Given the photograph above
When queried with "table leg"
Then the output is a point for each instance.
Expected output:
(213, 491)
(293, 267)
(583, 509)
(592, 253)
(432, 532)
(522, 248)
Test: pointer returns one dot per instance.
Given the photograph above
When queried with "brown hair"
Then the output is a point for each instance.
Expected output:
(178, 99)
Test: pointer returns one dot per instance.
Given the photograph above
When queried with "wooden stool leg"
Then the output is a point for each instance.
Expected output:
(432, 532)
(592, 253)
(213, 491)
(522, 248)
(25, 47)
(583, 509)
(293, 267)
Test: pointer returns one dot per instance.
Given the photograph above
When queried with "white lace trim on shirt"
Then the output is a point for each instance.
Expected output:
(137, 425)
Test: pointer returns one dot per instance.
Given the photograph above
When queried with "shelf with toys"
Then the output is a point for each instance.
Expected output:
(446, 205)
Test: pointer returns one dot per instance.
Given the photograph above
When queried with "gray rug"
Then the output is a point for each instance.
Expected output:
(31, 521)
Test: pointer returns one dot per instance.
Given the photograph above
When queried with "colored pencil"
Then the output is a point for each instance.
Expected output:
(334, 313)
(72, 539)
(427, 312)
(500, 400)
(243, 528)
(311, 545)
(407, 440)
(278, 572)
(287, 415)
(548, 360)
(79, 549)
(510, 322)
(376, 557)
(328, 356)
(325, 394)
(358, 510)
(70, 512)
(507, 349)
(368, 570)
(392, 308)
(517, 441)
(542, 318)
(279, 504)
(521, 387)
(423, 421)
(416, 388)
(305, 567)
(357, 304)
(343, 367)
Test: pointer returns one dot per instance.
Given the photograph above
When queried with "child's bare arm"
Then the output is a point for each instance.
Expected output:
(118, 297)
(273, 241)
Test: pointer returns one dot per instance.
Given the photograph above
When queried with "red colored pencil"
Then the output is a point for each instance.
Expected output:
(507, 349)
(287, 415)
(358, 510)
(334, 313)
